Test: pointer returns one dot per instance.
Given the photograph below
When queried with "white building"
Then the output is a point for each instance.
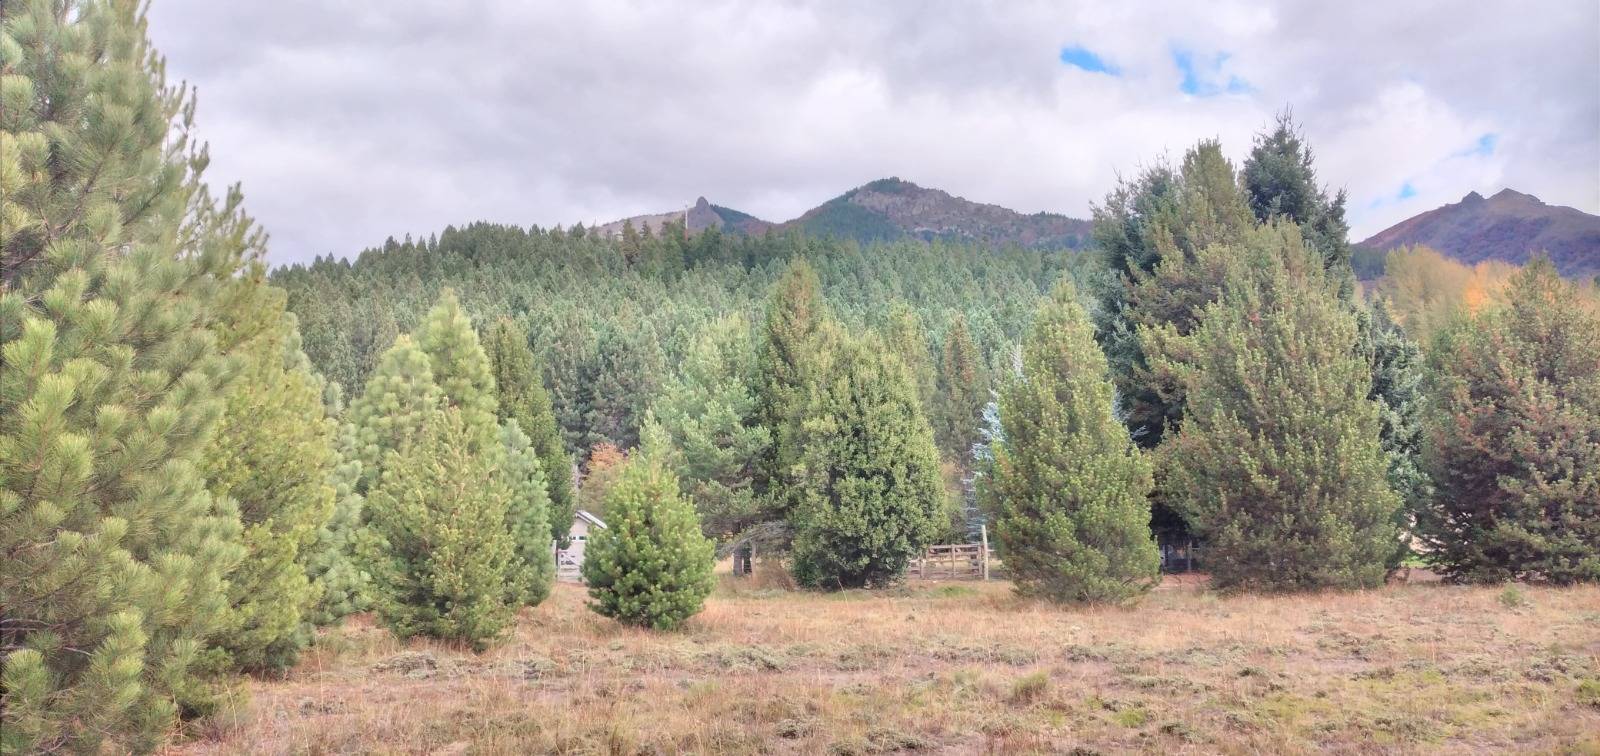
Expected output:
(570, 560)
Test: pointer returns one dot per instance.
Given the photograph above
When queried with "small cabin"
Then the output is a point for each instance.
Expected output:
(569, 561)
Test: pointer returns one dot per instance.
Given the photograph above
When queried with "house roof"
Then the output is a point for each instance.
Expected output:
(589, 518)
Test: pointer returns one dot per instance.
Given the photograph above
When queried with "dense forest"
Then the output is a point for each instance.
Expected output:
(201, 462)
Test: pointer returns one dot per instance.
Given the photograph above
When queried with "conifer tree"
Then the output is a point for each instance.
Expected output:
(399, 399)
(714, 441)
(794, 313)
(112, 250)
(1069, 490)
(341, 584)
(273, 455)
(443, 562)
(650, 566)
(868, 495)
(461, 369)
(527, 516)
(1514, 437)
(963, 390)
(522, 397)
(1280, 181)
(1278, 463)
(905, 335)
(1397, 387)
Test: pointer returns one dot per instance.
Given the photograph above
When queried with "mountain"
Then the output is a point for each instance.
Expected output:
(1510, 226)
(892, 209)
(701, 216)
(888, 209)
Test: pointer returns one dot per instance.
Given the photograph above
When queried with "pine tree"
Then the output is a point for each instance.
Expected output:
(461, 369)
(273, 454)
(794, 313)
(390, 414)
(650, 566)
(1514, 437)
(522, 397)
(904, 334)
(527, 516)
(707, 418)
(1280, 181)
(1397, 388)
(1278, 463)
(443, 562)
(1070, 491)
(868, 495)
(111, 252)
(341, 584)
(963, 390)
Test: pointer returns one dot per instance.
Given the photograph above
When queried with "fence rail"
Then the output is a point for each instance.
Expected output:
(953, 561)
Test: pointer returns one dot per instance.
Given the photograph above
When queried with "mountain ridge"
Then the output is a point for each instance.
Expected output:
(883, 210)
(1509, 226)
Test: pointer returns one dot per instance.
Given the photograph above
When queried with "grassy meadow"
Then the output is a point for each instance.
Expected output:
(963, 668)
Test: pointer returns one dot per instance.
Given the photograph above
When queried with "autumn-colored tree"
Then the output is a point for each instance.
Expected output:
(1514, 437)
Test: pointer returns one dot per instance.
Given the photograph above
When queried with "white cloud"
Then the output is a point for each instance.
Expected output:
(354, 121)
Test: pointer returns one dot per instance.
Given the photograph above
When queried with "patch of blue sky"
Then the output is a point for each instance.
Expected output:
(1203, 77)
(1082, 57)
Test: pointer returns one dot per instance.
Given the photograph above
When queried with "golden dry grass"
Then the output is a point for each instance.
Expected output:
(964, 668)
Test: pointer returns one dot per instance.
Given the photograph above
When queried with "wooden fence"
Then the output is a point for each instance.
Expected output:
(953, 561)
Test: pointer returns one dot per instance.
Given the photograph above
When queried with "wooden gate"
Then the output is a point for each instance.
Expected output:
(953, 561)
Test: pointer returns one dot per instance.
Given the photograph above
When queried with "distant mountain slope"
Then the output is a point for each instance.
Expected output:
(883, 210)
(1510, 226)
(892, 208)
(701, 216)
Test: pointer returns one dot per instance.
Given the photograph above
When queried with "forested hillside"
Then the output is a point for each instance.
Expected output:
(611, 319)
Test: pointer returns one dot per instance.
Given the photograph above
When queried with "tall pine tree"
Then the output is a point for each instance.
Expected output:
(442, 560)
(274, 455)
(1069, 490)
(1278, 463)
(522, 397)
(868, 495)
(707, 415)
(527, 516)
(963, 390)
(787, 351)
(111, 254)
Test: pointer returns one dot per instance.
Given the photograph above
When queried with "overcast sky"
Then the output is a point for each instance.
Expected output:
(352, 121)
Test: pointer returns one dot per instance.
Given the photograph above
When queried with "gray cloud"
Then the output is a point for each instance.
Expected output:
(349, 122)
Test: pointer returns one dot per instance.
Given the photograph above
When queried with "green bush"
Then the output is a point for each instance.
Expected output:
(650, 566)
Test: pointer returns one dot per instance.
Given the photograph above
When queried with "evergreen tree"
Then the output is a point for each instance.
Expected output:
(794, 314)
(522, 397)
(868, 495)
(342, 586)
(1070, 491)
(1150, 231)
(1514, 437)
(460, 368)
(273, 454)
(398, 402)
(1397, 378)
(1280, 181)
(1278, 463)
(443, 562)
(707, 418)
(111, 252)
(904, 334)
(527, 516)
(650, 566)
(962, 391)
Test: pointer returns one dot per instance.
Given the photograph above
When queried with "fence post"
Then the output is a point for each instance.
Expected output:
(983, 532)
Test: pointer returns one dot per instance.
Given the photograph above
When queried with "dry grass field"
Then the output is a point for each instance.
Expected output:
(964, 668)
